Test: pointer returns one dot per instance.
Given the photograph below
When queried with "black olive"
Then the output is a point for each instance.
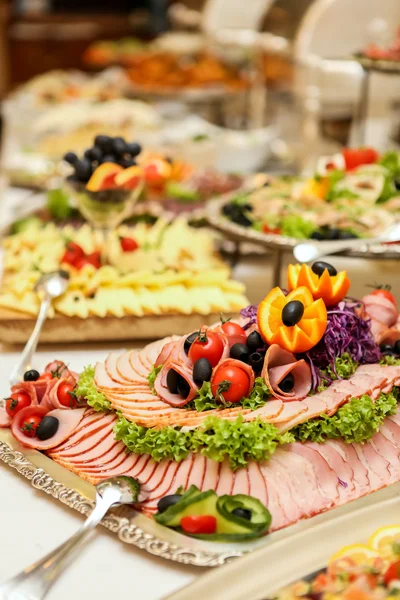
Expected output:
(256, 361)
(94, 153)
(70, 158)
(189, 341)
(202, 370)
(318, 235)
(119, 146)
(83, 169)
(347, 235)
(227, 210)
(319, 267)
(397, 347)
(240, 352)
(254, 341)
(292, 313)
(31, 375)
(126, 162)
(242, 220)
(386, 348)
(183, 387)
(287, 383)
(168, 501)
(109, 158)
(47, 427)
(172, 381)
(243, 513)
(397, 184)
(104, 142)
(332, 233)
(134, 149)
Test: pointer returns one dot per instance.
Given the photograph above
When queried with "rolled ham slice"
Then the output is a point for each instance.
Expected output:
(50, 399)
(62, 370)
(277, 365)
(161, 388)
(380, 309)
(5, 419)
(68, 422)
(232, 362)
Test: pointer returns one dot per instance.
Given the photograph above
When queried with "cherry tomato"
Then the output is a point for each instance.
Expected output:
(129, 244)
(384, 293)
(69, 258)
(17, 401)
(75, 249)
(233, 329)
(230, 382)
(46, 376)
(354, 157)
(207, 345)
(93, 259)
(199, 524)
(30, 424)
(267, 229)
(392, 573)
(65, 395)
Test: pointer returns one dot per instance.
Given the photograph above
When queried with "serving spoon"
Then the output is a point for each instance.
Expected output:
(35, 581)
(308, 251)
(49, 286)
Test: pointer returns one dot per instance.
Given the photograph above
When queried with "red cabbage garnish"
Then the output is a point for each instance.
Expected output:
(346, 332)
(250, 313)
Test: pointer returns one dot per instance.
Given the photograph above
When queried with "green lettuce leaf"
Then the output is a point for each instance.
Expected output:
(151, 377)
(297, 227)
(86, 388)
(389, 359)
(356, 421)
(345, 367)
(206, 401)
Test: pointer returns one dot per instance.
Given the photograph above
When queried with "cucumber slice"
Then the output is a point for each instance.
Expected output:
(193, 502)
(229, 523)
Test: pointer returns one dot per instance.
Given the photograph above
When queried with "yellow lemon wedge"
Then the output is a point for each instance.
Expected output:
(383, 541)
(359, 553)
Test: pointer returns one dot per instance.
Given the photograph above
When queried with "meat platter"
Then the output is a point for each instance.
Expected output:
(238, 433)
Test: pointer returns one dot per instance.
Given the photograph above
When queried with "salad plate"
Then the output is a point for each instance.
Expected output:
(237, 434)
(353, 194)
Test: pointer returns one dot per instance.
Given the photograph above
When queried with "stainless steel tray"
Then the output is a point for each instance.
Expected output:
(134, 528)
(279, 242)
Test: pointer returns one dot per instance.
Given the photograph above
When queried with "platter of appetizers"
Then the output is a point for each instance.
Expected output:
(238, 433)
(353, 194)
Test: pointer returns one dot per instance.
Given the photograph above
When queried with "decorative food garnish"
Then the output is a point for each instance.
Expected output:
(207, 516)
(128, 244)
(202, 370)
(295, 322)
(31, 375)
(16, 402)
(321, 279)
(232, 380)
(47, 427)
(207, 344)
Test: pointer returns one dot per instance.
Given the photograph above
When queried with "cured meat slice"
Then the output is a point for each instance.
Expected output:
(68, 421)
(315, 407)
(350, 456)
(60, 369)
(325, 476)
(344, 473)
(270, 411)
(333, 399)
(388, 452)
(377, 465)
(86, 437)
(104, 382)
(165, 354)
(241, 485)
(126, 373)
(50, 399)
(284, 488)
(380, 309)
(279, 364)
(258, 487)
(28, 388)
(161, 388)
(5, 419)
(226, 479)
(198, 471)
(290, 411)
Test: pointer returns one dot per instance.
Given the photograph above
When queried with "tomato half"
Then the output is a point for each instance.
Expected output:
(355, 157)
(199, 524)
(230, 382)
(233, 329)
(207, 345)
(128, 244)
(392, 573)
(65, 394)
(30, 424)
(384, 293)
(16, 402)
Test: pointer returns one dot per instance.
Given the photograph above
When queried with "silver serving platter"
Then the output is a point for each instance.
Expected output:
(390, 67)
(138, 530)
(276, 242)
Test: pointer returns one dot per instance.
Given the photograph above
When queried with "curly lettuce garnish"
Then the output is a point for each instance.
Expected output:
(86, 388)
(151, 377)
(206, 401)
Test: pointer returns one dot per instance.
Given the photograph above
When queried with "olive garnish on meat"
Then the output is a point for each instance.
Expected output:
(243, 513)
(287, 383)
(202, 371)
(183, 387)
(168, 501)
(172, 381)
(189, 341)
(386, 348)
(292, 313)
(319, 267)
(240, 352)
(256, 361)
(47, 427)
(31, 375)
(397, 347)
(254, 341)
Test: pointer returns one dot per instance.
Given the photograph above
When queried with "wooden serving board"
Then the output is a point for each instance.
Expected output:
(15, 327)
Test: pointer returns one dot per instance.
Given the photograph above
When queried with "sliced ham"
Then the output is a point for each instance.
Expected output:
(380, 309)
(60, 369)
(50, 399)
(68, 422)
(27, 387)
(5, 419)
(238, 364)
(278, 364)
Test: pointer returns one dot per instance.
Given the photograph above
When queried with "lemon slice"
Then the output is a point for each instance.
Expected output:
(359, 553)
(383, 539)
